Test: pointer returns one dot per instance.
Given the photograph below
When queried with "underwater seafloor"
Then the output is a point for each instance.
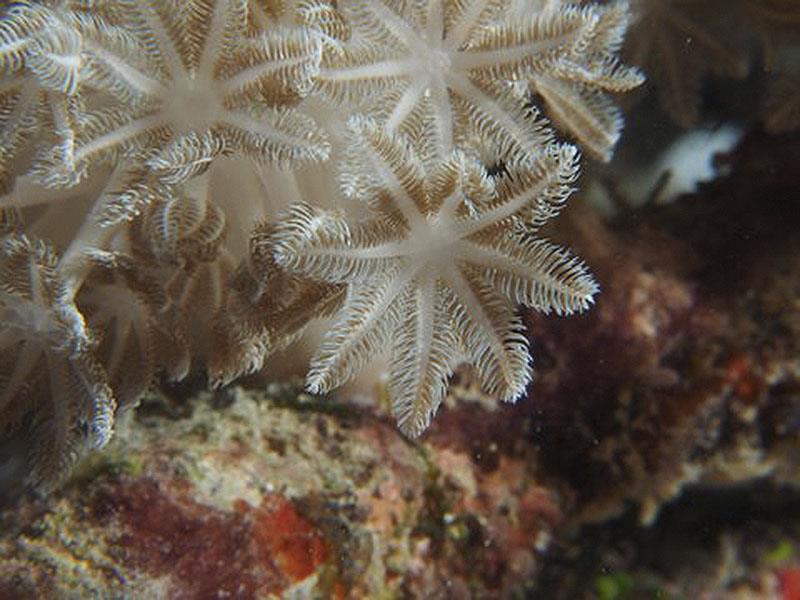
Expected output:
(656, 455)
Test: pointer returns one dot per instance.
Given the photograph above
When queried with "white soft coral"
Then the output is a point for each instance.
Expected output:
(48, 375)
(436, 272)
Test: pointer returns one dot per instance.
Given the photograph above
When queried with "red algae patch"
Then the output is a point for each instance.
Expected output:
(205, 552)
(284, 538)
(790, 583)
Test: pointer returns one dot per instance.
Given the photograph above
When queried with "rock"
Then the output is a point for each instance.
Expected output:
(279, 494)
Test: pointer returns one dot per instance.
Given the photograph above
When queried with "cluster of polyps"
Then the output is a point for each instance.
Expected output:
(199, 180)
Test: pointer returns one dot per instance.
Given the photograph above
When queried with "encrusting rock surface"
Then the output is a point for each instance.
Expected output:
(278, 494)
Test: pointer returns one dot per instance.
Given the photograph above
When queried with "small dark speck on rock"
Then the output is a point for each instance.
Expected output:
(223, 398)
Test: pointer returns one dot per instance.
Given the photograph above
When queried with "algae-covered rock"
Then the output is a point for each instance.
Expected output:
(276, 494)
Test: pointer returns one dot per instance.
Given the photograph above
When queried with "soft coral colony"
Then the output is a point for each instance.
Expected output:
(186, 185)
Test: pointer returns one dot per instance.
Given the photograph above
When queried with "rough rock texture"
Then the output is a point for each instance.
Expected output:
(669, 417)
(275, 494)
(742, 542)
(688, 371)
